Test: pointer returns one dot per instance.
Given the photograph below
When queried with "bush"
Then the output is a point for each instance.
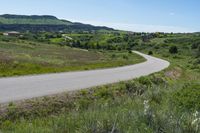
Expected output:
(119, 48)
(104, 93)
(134, 88)
(150, 53)
(158, 80)
(156, 47)
(198, 52)
(188, 98)
(113, 56)
(145, 81)
(125, 57)
(173, 50)
(195, 45)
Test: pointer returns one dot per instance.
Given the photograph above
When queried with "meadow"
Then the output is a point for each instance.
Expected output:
(27, 57)
(167, 101)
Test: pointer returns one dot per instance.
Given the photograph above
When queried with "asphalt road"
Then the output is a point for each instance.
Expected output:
(26, 87)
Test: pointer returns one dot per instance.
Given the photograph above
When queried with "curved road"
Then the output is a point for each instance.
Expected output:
(26, 87)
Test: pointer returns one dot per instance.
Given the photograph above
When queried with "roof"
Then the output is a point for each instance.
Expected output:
(13, 32)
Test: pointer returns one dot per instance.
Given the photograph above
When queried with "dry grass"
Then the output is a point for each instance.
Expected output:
(24, 58)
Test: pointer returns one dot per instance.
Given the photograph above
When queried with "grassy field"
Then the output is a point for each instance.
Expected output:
(168, 101)
(158, 103)
(24, 57)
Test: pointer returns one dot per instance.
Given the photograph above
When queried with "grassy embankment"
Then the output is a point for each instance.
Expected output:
(168, 101)
(22, 58)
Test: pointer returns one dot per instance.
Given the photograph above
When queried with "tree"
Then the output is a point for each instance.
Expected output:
(119, 48)
(195, 45)
(86, 46)
(173, 50)
(98, 46)
(76, 43)
(129, 48)
(198, 51)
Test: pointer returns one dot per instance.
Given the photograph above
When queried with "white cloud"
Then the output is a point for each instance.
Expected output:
(141, 27)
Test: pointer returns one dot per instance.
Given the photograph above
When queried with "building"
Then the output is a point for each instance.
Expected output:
(11, 33)
(66, 37)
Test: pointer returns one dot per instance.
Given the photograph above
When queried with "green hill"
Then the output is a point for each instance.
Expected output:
(34, 19)
(36, 23)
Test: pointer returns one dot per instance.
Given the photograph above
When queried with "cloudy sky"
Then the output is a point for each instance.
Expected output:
(132, 15)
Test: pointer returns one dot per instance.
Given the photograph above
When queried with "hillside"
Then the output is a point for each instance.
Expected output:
(19, 57)
(32, 20)
(154, 103)
(42, 23)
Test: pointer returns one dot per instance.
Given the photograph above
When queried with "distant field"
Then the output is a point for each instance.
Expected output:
(24, 57)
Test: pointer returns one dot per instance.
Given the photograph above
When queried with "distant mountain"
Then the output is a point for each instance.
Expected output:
(34, 19)
(41, 23)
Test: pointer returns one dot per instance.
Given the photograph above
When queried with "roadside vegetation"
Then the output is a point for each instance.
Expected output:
(168, 101)
(18, 57)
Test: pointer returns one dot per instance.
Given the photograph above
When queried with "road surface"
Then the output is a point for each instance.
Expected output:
(26, 87)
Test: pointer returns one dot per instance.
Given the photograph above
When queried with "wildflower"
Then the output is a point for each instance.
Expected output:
(196, 121)
(146, 106)
(196, 114)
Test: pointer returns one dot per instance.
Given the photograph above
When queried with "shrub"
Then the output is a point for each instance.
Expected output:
(125, 57)
(198, 52)
(133, 88)
(103, 93)
(157, 47)
(150, 53)
(158, 80)
(113, 56)
(145, 81)
(119, 48)
(173, 50)
(195, 45)
(188, 98)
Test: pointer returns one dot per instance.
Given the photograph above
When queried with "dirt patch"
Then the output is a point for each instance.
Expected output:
(5, 58)
(175, 73)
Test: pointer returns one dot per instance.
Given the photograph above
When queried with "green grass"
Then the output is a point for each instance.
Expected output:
(167, 101)
(101, 38)
(57, 40)
(22, 58)
(145, 105)
(162, 102)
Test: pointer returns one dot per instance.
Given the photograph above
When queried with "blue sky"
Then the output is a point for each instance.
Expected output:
(133, 15)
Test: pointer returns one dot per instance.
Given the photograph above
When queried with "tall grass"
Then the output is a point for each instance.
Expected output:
(116, 108)
(23, 58)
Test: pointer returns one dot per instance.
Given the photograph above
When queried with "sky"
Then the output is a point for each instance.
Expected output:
(131, 15)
